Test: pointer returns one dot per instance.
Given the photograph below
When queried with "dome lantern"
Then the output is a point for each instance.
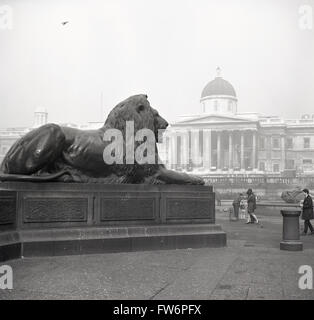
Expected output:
(219, 96)
(218, 72)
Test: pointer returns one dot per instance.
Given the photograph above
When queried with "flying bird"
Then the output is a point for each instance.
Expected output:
(65, 22)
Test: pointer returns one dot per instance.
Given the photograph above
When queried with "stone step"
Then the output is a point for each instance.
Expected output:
(92, 240)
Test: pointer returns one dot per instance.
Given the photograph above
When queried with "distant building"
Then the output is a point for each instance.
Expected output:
(41, 117)
(220, 140)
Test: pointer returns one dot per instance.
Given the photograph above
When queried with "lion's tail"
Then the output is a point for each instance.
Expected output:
(20, 177)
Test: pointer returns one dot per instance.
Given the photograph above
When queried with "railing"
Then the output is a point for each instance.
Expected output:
(260, 181)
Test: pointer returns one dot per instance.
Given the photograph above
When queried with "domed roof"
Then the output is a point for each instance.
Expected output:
(218, 86)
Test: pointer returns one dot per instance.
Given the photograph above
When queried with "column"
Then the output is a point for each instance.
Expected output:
(185, 148)
(254, 150)
(230, 150)
(166, 142)
(207, 149)
(218, 150)
(283, 153)
(174, 149)
(269, 154)
(242, 151)
(195, 152)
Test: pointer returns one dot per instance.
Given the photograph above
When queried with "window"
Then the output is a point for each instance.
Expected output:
(262, 142)
(215, 105)
(306, 143)
(276, 167)
(229, 105)
(289, 143)
(307, 165)
(276, 143)
(289, 164)
(307, 161)
(262, 166)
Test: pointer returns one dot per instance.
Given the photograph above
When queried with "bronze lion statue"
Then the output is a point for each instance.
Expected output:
(294, 196)
(55, 153)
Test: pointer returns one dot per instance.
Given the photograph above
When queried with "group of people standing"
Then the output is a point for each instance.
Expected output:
(307, 209)
(238, 204)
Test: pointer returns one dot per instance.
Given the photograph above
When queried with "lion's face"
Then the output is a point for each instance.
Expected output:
(159, 123)
(136, 108)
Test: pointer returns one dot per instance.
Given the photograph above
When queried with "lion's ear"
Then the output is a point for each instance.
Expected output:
(140, 108)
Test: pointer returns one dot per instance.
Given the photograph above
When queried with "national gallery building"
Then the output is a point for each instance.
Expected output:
(220, 140)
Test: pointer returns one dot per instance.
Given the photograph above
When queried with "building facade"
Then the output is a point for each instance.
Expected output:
(220, 140)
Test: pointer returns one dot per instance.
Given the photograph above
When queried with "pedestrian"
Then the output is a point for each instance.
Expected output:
(307, 212)
(251, 206)
(236, 205)
(218, 198)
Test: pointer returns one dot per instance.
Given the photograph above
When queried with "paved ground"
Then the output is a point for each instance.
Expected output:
(251, 267)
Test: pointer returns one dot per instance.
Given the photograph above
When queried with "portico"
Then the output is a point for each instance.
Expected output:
(214, 149)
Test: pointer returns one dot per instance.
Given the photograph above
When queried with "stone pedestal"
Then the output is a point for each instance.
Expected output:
(71, 218)
(291, 230)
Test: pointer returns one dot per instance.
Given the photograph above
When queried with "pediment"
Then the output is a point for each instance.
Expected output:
(215, 119)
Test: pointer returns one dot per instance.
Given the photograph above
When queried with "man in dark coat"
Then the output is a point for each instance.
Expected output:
(307, 212)
(251, 206)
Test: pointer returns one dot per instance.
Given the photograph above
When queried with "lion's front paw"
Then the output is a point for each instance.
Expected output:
(197, 180)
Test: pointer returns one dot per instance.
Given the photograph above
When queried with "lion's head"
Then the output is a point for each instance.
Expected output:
(137, 109)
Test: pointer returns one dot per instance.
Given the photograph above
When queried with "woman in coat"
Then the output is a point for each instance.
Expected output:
(307, 212)
(236, 205)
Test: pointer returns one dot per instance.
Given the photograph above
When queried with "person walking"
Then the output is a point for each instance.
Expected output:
(236, 205)
(307, 212)
(251, 206)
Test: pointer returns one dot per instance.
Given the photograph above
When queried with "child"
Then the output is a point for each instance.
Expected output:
(242, 209)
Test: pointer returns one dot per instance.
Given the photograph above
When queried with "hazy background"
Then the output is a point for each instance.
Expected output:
(167, 49)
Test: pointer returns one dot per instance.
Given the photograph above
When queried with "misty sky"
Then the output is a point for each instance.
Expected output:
(168, 49)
